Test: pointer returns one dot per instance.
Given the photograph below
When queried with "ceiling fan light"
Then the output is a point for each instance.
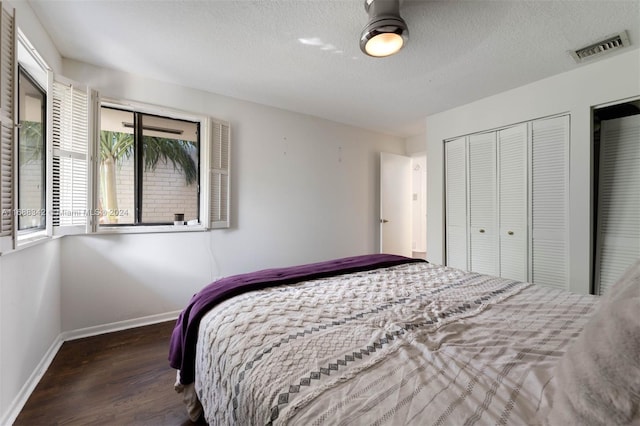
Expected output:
(386, 33)
(383, 43)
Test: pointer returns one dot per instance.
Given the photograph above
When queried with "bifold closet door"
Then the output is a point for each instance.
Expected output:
(618, 236)
(549, 202)
(512, 202)
(456, 203)
(483, 247)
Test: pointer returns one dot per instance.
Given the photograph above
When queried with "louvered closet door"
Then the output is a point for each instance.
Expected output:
(549, 201)
(512, 202)
(618, 239)
(483, 246)
(456, 203)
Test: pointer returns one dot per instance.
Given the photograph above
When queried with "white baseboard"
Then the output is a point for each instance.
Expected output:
(118, 326)
(31, 383)
(21, 399)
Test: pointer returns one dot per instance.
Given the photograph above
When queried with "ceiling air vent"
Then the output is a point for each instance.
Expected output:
(600, 48)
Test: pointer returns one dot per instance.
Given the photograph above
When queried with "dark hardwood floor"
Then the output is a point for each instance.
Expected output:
(120, 378)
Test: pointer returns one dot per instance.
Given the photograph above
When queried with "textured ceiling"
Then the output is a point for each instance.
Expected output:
(303, 55)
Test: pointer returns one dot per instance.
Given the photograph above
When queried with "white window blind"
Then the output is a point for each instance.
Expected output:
(219, 195)
(70, 142)
(7, 129)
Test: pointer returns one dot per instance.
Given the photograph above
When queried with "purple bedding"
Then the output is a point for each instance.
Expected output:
(185, 334)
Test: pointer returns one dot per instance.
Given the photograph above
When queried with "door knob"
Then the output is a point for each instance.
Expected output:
(383, 221)
(482, 231)
(510, 232)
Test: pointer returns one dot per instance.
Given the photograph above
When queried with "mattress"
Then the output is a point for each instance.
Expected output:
(414, 344)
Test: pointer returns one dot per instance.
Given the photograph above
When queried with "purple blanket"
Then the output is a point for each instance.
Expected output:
(185, 334)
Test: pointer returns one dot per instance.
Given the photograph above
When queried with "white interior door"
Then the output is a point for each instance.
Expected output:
(549, 202)
(483, 247)
(456, 203)
(395, 204)
(512, 202)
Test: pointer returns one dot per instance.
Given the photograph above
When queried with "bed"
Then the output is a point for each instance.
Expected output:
(388, 340)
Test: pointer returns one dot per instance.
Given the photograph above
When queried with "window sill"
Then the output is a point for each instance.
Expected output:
(29, 240)
(150, 229)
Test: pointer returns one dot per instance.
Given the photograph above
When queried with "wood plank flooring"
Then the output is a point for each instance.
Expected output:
(120, 378)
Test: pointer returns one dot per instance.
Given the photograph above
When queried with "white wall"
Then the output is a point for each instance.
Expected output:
(30, 26)
(574, 92)
(303, 190)
(29, 315)
(416, 144)
(416, 147)
(419, 203)
(30, 320)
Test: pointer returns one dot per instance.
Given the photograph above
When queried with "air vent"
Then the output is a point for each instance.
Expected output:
(600, 48)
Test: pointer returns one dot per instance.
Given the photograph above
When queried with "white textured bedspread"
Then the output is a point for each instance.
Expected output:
(416, 344)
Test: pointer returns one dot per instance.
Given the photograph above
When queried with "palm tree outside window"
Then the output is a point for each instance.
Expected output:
(31, 211)
(149, 168)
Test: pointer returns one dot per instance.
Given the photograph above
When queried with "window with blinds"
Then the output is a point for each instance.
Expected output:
(76, 205)
(70, 196)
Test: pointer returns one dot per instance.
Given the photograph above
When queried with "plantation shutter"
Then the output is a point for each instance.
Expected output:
(219, 196)
(70, 141)
(7, 129)
(549, 202)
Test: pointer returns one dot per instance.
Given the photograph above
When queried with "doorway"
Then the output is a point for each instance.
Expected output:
(419, 205)
(616, 177)
(403, 194)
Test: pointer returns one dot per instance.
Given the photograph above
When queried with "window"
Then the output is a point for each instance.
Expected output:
(30, 163)
(149, 169)
(135, 167)
(31, 206)
(73, 163)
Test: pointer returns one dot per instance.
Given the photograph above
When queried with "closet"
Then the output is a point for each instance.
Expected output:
(512, 202)
(506, 201)
(618, 224)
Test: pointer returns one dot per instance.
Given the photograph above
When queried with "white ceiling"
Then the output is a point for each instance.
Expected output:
(303, 55)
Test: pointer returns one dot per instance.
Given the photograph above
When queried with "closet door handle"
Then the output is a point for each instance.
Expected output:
(510, 232)
(482, 231)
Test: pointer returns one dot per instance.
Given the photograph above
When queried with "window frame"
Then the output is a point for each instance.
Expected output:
(35, 67)
(138, 117)
(204, 124)
(214, 171)
(27, 233)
